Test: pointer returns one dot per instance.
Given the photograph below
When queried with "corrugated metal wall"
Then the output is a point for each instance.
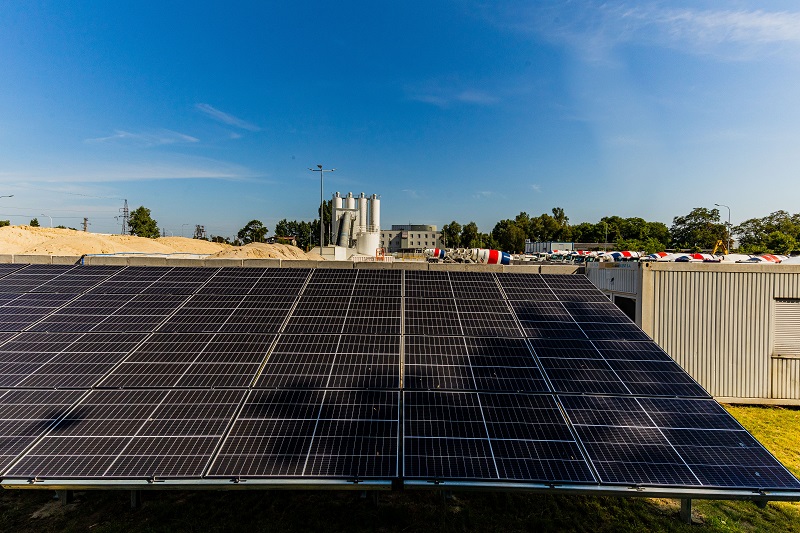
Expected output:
(718, 323)
(614, 277)
(785, 378)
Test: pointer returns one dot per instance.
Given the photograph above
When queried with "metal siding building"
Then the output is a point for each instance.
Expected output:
(719, 322)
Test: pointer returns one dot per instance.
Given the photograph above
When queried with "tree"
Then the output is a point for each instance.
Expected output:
(301, 230)
(469, 236)
(486, 240)
(509, 237)
(699, 229)
(548, 228)
(34, 223)
(562, 223)
(4, 223)
(754, 233)
(253, 231)
(326, 220)
(282, 228)
(780, 243)
(452, 234)
(142, 224)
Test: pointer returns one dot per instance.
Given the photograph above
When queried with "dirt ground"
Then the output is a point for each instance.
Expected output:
(55, 241)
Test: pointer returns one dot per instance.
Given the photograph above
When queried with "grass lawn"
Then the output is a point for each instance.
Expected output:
(98, 511)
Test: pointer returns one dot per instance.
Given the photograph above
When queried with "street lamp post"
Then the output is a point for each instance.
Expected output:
(322, 172)
(51, 219)
(730, 240)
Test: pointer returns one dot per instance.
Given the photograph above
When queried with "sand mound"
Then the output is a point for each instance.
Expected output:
(192, 246)
(257, 250)
(55, 241)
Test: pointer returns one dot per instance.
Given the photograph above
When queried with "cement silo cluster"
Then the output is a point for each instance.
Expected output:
(356, 222)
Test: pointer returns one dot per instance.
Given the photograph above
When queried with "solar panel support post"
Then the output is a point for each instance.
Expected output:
(65, 496)
(686, 510)
(136, 499)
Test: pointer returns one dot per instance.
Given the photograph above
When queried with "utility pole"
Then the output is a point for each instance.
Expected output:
(85, 224)
(125, 217)
(730, 240)
(321, 203)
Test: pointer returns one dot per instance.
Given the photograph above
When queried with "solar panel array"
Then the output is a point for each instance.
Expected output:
(309, 376)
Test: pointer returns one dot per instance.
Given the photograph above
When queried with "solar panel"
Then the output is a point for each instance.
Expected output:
(26, 415)
(320, 375)
(133, 434)
(335, 434)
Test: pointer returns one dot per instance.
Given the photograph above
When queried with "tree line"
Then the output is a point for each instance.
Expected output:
(778, 232)
(700, 229)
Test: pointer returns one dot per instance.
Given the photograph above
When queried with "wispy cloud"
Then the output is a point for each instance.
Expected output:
(476, 97)
(153, 138)
(411, 193)
(594, 28)
(483, 195)
(93, 171)
(442, 94)
(226, 118)
(535, 187)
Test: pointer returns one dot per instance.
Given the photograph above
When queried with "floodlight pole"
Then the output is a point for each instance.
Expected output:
(322, 172)
(48, 216)
(730, 240)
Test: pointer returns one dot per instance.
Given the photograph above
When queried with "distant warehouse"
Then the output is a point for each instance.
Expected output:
(534, 247)
(410, 237)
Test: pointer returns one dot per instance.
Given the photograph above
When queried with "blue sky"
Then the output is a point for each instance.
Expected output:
(211, 113)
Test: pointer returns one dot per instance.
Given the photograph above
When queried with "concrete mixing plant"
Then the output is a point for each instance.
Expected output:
(355, 226)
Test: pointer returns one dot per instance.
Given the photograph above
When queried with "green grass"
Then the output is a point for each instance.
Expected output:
(251, 511)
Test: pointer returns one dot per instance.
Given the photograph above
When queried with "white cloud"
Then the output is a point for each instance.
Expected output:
(154, 138)
(536, 188)
(94, 171)
(226, 118)
(430, 99)
(594, 28)
(411, 193)
(444, 94)
(476, 97)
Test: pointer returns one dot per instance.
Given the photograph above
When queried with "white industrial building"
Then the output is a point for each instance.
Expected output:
(410, 237)
(735, 328)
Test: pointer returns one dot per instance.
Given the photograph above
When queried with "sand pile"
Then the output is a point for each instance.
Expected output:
(55, 241)
(257, 250)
